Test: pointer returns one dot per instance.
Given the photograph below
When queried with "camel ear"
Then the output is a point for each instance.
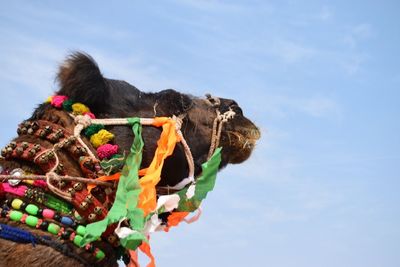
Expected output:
(175, 102)
(81, 80)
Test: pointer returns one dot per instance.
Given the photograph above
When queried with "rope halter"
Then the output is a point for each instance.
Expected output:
(218, 123)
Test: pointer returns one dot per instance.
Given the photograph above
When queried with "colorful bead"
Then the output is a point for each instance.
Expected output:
(81, 230)
(44, 225)
(35, 222)
(66, 221)
(16, 203)
(66, 234)
(78, 240)
(32, 221)
(100, 254)
(48, 213)
(15, 215)
(53, 228)
(32, 209)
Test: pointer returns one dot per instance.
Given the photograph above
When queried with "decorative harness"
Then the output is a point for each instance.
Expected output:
(125, 217)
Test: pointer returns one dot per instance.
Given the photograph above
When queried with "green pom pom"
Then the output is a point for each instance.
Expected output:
(67, 105)
(92, 129)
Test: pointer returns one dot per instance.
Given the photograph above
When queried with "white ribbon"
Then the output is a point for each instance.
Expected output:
(123, 232)
(170, 202)
(190, 191)
(182, 183)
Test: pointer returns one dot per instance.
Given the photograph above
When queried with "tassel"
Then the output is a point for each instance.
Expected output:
(92, 129)
(79, 109)
(101, 138)
(107, 150)
(58, 100)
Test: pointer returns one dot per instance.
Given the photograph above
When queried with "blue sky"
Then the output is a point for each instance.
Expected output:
(320, 78)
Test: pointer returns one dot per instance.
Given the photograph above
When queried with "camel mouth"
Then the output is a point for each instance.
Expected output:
(242, 142)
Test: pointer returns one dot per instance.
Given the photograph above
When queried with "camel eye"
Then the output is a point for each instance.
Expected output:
(214, 101)
(236, 109)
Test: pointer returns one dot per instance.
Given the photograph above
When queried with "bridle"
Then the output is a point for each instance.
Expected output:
(48, 159)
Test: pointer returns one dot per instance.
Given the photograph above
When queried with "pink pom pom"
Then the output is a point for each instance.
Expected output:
(107, 150)
(57, 100)
(90, 114)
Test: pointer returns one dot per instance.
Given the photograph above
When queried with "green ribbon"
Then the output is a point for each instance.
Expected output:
(204, 184)
(126, 198)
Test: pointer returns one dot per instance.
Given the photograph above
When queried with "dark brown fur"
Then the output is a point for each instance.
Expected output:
(80, 79)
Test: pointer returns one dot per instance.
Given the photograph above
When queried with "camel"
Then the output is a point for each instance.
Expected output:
(42, 218)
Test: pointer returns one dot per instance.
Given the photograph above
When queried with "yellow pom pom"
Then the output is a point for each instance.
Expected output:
(79, 109)
(101, 138)
(48, 100)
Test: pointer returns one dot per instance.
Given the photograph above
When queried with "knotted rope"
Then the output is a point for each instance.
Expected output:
(219, 121)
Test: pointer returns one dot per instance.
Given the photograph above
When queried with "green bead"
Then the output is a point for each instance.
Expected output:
(16, 215)
(78, 240)
(32, 221)
(16, 203)
(32, 209)
(81, 230)
(100, 254)
(53, 228)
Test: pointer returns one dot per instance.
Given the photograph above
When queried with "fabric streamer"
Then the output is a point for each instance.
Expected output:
(165, 148)
(125, 204)
(113, 165)
(145, 248)
(204, 184)
(134, 261)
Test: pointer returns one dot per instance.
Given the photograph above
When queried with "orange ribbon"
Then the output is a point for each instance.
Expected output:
(145, 248)
(165, 147)
(114, 177)
(175, 218)
(134, 261)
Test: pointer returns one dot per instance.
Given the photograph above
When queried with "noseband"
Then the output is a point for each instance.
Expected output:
(73, 189)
